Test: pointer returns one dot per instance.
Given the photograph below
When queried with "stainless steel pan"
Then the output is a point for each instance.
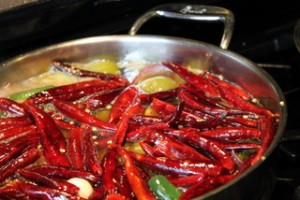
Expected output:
(154, 48)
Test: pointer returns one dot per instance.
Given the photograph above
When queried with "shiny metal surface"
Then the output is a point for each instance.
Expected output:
(11, 4)
(191, 12)
(297, 35)
(157, 49)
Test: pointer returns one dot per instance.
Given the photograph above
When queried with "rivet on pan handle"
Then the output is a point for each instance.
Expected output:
(191, 12)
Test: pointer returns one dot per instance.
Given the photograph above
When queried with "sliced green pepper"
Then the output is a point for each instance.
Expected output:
(157, 84)
(163, 189)
(245, 154)
(20, 96)
(134, 147)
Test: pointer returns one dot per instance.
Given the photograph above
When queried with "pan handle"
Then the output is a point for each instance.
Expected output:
(191, 12)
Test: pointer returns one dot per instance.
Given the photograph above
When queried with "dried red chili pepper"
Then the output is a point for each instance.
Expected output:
(123, 124)
(12, 106)
(90, 157)
(56, 91)
(109, 165)
(76, 148)
(164, 145)
(232, 133)
(42, 180)
(267, 126)
(64, 172)
(239, 121)
(163, 95)
(197, 92)
(45, 193)
(101, 100)
(63, 66)
(46, 125)
(138, 121)
(102, 143)
(14, 122)
(239, 146)
(125, 100)
(193, 103)
(26, 158)
(138, 185)
(120, 133)
(187, 181)
(200, 82)
(15, 147)
(52, 154)
(148, 149)
(208, 123)
(200, 188)
(64, 125)
(73, 112)
(75, 91)
(30, 138)
(99, 192)
(165, 109)
(115, 197)
(174, 120)
(142, 132)
(192, 137)
(200, 123)
(52, 139)
(123, 184)
(229, 86)
(16, 131)
(168, 166)
(10, 192)
(238, 102)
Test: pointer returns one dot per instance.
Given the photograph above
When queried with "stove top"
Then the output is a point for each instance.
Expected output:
(263, 33)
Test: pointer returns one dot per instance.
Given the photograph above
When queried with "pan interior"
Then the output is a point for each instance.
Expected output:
(155, 49)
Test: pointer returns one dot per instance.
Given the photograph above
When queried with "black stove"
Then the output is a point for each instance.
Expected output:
(263, 33)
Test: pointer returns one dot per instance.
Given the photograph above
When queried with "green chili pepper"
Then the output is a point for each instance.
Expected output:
(20, 96)
(163, 189)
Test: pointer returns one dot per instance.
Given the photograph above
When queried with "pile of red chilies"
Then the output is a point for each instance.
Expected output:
(193, 142)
